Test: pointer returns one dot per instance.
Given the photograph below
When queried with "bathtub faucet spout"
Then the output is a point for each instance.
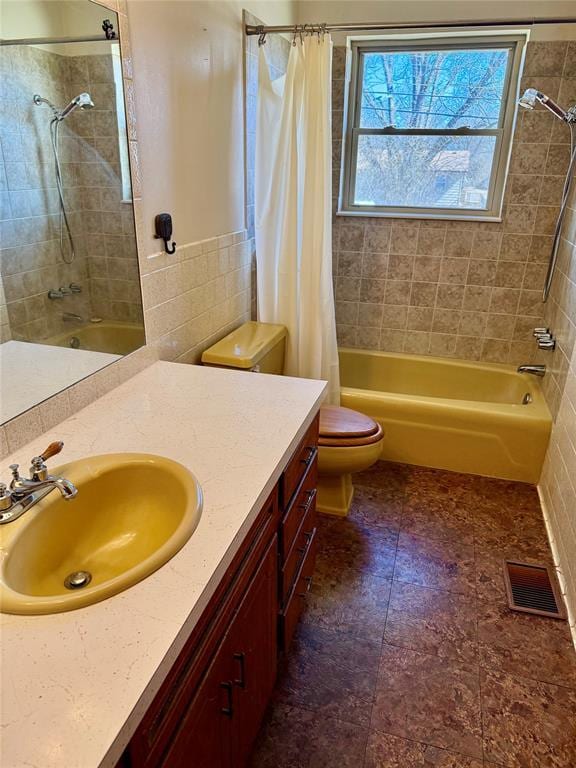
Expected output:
(535, 370)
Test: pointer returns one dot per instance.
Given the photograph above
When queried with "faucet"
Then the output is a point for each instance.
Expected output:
(24, 492)
(535, 370)
(72, 316)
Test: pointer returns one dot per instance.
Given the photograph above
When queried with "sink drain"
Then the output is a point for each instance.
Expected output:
(77, 580)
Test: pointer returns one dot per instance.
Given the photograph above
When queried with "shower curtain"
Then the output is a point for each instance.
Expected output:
(293, 215)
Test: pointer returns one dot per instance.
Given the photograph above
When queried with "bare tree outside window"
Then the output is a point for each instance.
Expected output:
(429, 127)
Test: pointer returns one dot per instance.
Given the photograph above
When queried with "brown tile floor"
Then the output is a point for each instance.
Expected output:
(407, 656)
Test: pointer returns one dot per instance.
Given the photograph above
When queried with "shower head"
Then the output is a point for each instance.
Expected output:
(82, 101)
(531, 97)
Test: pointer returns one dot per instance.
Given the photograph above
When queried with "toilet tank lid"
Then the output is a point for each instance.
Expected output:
(246, 346)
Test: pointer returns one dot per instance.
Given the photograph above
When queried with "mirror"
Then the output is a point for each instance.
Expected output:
(70, 300)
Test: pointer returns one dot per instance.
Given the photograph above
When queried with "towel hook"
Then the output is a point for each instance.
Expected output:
(163, 226)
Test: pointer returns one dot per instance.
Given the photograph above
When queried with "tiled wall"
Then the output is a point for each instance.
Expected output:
(102, 224)
(30, 259)
(465, 289)
(558, 489)
(197, 296)
(104, 220)
(558, 482)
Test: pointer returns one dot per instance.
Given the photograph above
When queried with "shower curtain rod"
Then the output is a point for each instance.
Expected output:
(262, 30)
(55, 40)
(108, 35)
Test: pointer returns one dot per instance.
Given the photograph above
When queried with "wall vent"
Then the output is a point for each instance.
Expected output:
(533, 589)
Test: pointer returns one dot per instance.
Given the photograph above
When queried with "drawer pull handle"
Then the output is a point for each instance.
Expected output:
(241, 682)
(307, 460)
(305, 507)
(308, 580)
(228, 711)
(307, 535)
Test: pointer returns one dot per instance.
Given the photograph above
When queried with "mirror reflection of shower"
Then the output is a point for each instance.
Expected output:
(529, 99)
(82, 101)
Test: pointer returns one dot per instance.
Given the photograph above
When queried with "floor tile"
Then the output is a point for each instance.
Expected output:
(386, 476)
(429, 484)
(528, 723)
(402, 568)
(438, 564)
(344, 545)
(349, 601)
(437, 519)
(330, 672)
(432, 621)
(386, 751)
(510, 535)
(505, 494)
(374, 507)
(292, 737)
(526, 645)
(428, 699)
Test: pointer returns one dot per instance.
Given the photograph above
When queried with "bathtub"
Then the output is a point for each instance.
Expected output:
(115, 338)
(450, 414)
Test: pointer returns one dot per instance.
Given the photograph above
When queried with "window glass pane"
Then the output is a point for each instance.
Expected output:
(433, 89)
(424, 171)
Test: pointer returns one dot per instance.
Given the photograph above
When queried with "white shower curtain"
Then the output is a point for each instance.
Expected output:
(293, 216)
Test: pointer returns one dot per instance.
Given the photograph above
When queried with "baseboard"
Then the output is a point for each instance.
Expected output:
(571, 609)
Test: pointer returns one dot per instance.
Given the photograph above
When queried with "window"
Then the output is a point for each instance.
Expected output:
(429, 127)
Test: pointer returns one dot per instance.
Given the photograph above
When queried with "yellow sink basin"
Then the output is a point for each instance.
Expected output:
(133, 512)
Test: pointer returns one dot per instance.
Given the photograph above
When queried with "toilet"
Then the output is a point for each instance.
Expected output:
(348, 440)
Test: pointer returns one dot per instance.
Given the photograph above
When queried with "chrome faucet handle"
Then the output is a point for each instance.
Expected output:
(38, 468)
(538, 332)
(15, 474)
(5, 498)
(547, 342)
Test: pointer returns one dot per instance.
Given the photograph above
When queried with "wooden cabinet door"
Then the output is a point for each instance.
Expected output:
(204, 736)
(252, 645)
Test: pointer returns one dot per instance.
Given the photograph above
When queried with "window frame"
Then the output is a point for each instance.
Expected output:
(516, 43)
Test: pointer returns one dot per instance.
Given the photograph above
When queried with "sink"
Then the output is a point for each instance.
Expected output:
(133, 512)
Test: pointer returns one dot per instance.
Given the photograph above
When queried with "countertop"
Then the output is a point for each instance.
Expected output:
(29, 373)
(75, 685)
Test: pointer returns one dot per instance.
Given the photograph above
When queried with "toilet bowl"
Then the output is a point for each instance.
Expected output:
(348, 442)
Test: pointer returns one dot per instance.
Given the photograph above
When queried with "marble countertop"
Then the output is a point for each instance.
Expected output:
(75, 685)
(29, 373)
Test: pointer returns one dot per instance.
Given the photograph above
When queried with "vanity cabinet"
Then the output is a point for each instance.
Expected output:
(208, 711)
(219, 726)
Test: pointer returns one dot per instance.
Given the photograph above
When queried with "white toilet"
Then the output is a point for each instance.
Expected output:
(348, 440)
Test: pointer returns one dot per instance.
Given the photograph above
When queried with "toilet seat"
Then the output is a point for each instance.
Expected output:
(345, 428)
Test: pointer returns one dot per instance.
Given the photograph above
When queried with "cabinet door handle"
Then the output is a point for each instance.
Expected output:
(305, 507)
(308, 580)
(307, 460)
(240, 657)
(229, 710)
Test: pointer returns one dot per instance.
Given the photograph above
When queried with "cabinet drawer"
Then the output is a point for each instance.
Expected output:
(302, 504)
(290, 615)
(303, 457)
(298, 553)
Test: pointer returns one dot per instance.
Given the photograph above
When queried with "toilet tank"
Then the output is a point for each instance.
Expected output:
(251, 347)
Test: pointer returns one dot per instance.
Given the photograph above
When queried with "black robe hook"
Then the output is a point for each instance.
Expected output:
(163, 226)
